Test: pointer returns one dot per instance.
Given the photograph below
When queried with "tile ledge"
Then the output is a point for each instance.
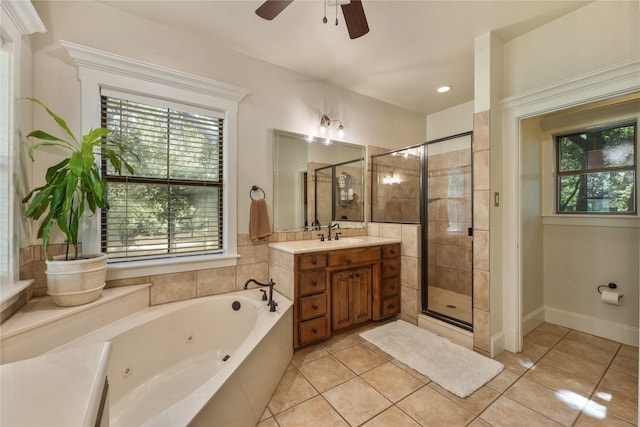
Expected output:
(10, 292)
(41, 310)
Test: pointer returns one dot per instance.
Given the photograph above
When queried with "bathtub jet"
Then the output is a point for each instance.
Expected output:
(271, 303)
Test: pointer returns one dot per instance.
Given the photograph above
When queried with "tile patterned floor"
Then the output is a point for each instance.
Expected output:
(563, 377)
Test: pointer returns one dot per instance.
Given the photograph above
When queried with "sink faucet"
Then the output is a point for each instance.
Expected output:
(331, 227)
(272, 304)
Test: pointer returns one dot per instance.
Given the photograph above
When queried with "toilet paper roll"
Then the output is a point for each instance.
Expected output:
(609, 297)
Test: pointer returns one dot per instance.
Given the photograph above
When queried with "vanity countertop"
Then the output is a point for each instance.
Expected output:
(64, 386)
(315, 245)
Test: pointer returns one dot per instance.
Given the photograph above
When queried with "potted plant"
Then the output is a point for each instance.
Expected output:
(70, 187)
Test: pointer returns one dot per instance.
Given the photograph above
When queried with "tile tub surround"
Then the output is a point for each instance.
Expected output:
(253, 262)
(346, 381)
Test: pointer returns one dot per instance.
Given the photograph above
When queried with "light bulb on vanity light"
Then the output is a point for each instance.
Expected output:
(341, 130)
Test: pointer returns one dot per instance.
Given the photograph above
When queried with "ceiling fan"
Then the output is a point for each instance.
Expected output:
(352, 10)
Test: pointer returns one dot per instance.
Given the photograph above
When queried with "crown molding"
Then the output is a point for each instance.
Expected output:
(119, 65)
(24, 16)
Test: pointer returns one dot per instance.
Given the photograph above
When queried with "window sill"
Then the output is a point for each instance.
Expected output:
(626, 221)
(150, 267)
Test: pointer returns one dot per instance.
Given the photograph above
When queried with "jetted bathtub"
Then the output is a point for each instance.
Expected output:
(212, 361)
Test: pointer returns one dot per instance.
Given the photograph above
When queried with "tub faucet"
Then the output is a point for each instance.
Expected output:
(271, 303)
(331, 227)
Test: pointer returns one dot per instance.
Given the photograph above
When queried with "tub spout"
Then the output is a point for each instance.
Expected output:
(271, 303)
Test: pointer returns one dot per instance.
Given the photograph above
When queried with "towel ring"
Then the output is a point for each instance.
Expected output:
(256, 188)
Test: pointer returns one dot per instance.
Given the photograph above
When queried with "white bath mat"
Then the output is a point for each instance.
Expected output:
(453, 367)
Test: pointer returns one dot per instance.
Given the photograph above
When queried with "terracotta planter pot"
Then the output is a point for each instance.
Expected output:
(76, 281)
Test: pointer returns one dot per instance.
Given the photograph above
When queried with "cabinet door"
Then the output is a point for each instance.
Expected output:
(341, 311)
(361, 295)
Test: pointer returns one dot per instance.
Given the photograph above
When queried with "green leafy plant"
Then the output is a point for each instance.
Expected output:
(74, 183)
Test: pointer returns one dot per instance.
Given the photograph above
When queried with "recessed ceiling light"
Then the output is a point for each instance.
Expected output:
(443, 89)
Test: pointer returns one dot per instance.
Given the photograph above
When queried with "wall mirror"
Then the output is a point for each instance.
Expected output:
(296, 159)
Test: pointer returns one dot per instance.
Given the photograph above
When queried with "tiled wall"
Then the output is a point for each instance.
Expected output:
(253, 263)
(396, 202)
(449, 217)
(410, 296)
(481, 200)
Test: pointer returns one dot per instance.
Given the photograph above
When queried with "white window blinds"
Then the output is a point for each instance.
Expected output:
(173, 202)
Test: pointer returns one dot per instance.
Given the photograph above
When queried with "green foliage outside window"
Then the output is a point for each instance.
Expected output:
(173, 203)
(597, 170)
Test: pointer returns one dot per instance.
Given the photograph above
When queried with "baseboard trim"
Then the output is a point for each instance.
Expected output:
(592, 325)
(533, 320)
(497, 344)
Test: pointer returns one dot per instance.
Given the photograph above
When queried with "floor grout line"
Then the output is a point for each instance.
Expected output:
(332, 351)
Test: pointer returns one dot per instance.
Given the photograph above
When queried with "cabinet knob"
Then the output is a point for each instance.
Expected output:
(391, 306)
(314, 283)
(392, 286)
(393, 251)
(314, 306)
(314, 261)
(392, 268)
(314, 330)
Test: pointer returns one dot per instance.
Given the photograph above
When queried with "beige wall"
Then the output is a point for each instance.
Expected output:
(595, 36)
(277, 98)
(531, 223)
(561, 57)
(582, 253)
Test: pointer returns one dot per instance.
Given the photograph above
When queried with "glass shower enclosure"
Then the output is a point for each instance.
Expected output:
(431, 185)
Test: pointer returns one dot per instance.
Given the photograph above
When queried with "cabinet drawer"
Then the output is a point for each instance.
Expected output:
(390, 306)
(313, 306)
(391, 251)
(311, 261)
(390, 287)
(354, 256)
(313, 330)
(312, 282)
(390, 268)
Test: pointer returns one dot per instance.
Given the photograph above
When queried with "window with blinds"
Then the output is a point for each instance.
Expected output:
(172, 203)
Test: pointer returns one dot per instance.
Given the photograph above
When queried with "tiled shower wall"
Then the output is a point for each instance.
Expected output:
(397, 202)
(449, 218)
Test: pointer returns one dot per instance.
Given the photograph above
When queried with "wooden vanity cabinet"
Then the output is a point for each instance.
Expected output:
(311, 320)
(338, 289)
(351, 297)
(389, 292)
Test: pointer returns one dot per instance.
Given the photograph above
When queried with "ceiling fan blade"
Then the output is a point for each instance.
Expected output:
(355, 19)
(272, 8)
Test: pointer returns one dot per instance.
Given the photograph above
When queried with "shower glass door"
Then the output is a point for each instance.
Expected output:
(448, 218)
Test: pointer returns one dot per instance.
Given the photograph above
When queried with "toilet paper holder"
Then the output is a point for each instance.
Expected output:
(610, 286)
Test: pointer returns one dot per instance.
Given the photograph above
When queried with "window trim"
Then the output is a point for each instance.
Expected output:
(97, 70)
(19, 19)
(558, 174)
